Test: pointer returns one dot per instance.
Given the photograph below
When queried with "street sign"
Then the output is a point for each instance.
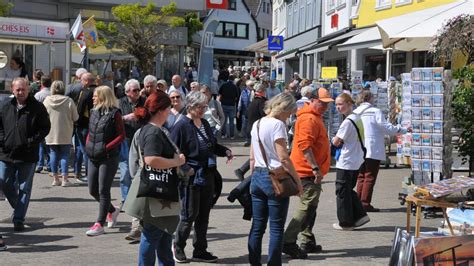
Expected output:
(217, 4)
(329, 72)
(275, 43)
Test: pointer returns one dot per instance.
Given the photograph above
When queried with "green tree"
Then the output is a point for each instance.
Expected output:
(193, 23)
(5, 8)
(137, 29)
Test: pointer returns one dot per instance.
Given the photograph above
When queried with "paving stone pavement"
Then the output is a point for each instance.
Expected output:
(58, 218)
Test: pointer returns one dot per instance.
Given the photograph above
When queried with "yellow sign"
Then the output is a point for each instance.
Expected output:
(329, 72)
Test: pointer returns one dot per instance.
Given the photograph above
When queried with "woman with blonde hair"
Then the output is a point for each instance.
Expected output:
(106, 132)
(62, 114)
(350, 212)
(271, 132)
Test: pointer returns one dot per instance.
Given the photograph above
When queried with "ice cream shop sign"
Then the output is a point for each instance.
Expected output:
(33, 29)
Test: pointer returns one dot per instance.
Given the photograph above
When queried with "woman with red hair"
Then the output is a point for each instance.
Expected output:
(158, 152)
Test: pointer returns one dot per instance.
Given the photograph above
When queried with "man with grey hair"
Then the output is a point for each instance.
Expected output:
(76, 86)
(176, 85)
(195, 86)
(306, 92)
(150, 85)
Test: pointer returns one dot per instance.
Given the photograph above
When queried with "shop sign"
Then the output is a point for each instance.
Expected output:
(275, 43)
(173, 36)
(329, 72)
(28, 28)
(217, 4)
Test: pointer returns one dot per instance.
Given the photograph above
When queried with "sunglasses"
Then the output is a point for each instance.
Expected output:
(175, 97)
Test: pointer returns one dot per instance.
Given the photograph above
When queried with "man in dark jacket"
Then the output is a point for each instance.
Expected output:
(24, 123)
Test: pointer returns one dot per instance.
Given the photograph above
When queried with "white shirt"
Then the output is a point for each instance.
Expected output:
(271, 129)
(375, 128)
(352, 155)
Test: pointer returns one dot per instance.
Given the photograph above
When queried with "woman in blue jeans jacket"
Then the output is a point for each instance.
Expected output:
(271, 131)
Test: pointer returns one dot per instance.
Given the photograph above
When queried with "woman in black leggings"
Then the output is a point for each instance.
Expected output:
(106, 132)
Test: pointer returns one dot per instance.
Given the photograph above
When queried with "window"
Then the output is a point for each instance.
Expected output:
(232, 4)
(269, 8)
(331, 4)
(340, 2)
(295, 17)
(264, 7)
(276, 21)
(309, 14)
(232, 30)
(402, 2)
(383, 4)
(289, 21)
(302, 17)
(316, 13)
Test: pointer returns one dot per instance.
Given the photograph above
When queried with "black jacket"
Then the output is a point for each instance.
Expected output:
(21, 131)
(83, 102)
(255, 111)
(127, 108)
(185, 137)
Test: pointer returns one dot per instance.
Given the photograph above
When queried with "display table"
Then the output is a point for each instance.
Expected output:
(418, 202)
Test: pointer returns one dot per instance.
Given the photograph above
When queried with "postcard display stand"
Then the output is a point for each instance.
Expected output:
(422, 105)
(332, 119)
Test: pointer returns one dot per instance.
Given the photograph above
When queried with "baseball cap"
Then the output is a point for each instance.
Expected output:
(323, 95)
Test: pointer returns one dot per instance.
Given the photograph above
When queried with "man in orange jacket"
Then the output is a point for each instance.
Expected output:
(311, 156)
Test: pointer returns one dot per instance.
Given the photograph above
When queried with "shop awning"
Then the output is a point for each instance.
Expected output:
(258, 47)
(369, 38)
(414, 31)
(329, 41)
(287, 54)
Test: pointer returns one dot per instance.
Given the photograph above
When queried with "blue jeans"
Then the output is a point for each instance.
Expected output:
(59, 156)
(265, 205)
(125, 178)
(20, 173)
(245, 128)
(229, 116)
(80, 135)
(154, 243)
(43, 155)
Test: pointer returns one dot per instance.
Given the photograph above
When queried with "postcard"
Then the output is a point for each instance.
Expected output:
(416, 153)
(427, 74)
(437, 140)
(427, 127)
(426, 88)
(426, 100)
(416, 114)
(438, 87)
(437, 73)
(426, 165)
(416, 74)
(416, 100)
(426, 114)
(437, 101)
(437, 127)
(416, 127)
(425, 140)
(416, 87)
(437, 153)
(416, 139)
(416, 165)
(426, 153)
(437, 114)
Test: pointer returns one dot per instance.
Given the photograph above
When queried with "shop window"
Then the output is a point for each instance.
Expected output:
(383, 4)
(3, 59)
(232, 4)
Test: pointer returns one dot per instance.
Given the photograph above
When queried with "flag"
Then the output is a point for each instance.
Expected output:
(78, 33)
(90, 32)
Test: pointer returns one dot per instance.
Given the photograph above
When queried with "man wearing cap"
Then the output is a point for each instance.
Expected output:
(311, 156)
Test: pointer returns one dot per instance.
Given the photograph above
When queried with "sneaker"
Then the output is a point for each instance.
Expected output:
(246, 144)
(134, 235)
(294, 251)
(178, 255)
(205, 257)
(239, 174)
(112, 217)
(311, 247)
(56, 182)
(232, 137)
(66, 183)
(362, 221)
(38, 170)
(80, 179)
(95, 230)
(371, 208)
(18, 226)
(3, 246)
(345, 228)
(223, 137)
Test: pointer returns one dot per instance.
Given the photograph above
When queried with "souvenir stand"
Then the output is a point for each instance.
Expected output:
(332, 119)
(426, 97)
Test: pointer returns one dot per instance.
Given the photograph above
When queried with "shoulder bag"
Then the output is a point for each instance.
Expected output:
(359, 136)
(158, 183)
(283, 183)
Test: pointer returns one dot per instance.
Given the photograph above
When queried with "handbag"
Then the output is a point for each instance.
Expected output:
(158, 183)
(284, 185)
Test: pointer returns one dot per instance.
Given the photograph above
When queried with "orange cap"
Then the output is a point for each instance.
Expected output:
(324, 95)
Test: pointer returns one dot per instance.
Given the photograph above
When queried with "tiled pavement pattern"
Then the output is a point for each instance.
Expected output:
(59, 217)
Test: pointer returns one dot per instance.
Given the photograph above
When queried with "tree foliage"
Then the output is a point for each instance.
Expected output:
(193, 23)
(456, 35)
(5, 8)
(137, 29)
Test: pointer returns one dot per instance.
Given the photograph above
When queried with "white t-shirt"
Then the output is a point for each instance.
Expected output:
(271, 129)
(352, 155)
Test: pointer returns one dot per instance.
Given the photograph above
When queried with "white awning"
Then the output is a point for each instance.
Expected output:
(258, 47)
(328, 42)
(414, 31)
(366, 39)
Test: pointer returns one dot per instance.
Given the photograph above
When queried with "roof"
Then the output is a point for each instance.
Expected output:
(253, 6)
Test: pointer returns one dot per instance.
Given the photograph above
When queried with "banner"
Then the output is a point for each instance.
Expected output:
(78, 33)
(206, 57)
(90, 32)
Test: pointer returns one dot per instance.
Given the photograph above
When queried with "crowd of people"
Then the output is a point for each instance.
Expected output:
(176, 130)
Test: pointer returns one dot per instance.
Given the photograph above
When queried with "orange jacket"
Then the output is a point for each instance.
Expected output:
(310, 133)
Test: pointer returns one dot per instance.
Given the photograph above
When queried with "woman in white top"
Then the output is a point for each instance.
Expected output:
(350, 212)
(271, 130)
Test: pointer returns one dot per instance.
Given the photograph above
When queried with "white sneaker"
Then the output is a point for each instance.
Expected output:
(56, 182)
(345, 228)
(362, 221)
(112, 217)
(95, 230)
(66, 183)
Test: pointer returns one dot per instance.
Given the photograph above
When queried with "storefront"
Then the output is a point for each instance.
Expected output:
(40, 44)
